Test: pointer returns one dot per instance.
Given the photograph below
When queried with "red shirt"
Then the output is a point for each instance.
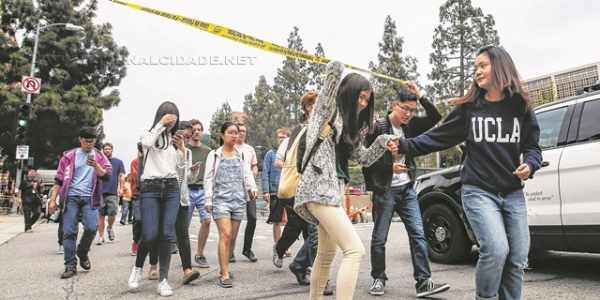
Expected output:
(134, 176)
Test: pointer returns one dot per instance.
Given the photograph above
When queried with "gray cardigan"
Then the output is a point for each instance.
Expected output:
(325, 188)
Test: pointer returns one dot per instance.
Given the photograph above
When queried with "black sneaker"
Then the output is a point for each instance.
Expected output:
(232, 258)
(427, 288)
(69, 272)
(328, 291)
(377, 287)
(201, 261)
(250, 255)
(300, 274)
(85, 263)
(224, 283)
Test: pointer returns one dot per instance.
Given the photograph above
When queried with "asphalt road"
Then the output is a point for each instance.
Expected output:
(31, 270)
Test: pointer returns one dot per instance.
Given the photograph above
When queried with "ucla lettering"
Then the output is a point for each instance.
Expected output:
(516, 134)
(491, 129)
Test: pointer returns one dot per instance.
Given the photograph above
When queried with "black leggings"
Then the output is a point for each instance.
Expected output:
(291, 231)
(60, 227)
(250, 225)
(183, 237)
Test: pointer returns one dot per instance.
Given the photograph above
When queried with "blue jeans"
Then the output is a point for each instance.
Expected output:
(159, 214)
(499, 223)
(403, 200)
(160, 200)
(136, 228)
(76, 205)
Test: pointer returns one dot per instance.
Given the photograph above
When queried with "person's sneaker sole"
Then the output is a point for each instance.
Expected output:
(300, 275)
(67, 276)
(438, 290)
(191, 278)
(376, 293)
(250, 258)
(221, 284)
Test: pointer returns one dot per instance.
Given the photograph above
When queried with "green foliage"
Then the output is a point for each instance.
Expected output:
(392, 62)
(219, 117)
(79, 70)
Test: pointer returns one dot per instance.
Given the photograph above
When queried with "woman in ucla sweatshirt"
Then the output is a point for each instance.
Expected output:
(501, 133)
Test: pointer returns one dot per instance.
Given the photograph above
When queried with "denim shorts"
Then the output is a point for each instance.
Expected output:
(197, 201)
(111, 205)
(229, 210)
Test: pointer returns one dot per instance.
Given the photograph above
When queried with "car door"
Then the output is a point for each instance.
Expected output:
(580, 181)
(542, 192)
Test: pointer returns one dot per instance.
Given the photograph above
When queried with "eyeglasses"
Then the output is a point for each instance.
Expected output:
(407, 109)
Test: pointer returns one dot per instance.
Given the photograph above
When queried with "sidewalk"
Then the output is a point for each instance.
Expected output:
(10, 227)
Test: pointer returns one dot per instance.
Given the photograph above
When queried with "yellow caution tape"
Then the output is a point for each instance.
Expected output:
(251, 41)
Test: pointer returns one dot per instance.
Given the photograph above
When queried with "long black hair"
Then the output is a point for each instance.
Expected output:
(347, 104)
(164, 140)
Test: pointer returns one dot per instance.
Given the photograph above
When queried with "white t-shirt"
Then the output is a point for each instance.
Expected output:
(282, 148)
(160, 163)
(401, 178)
(249, 155)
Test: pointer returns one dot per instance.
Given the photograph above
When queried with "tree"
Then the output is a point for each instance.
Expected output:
(462, 30)
(291, 80)
(218, 118)
(316, 70)
(392, 62)
(264, 115)
(79, 72)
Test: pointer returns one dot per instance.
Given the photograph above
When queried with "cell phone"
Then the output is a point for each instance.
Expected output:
(91, 156)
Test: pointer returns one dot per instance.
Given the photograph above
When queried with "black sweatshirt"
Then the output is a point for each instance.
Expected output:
(496, 134)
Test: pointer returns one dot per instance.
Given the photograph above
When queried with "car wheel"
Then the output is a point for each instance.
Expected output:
(445, 234)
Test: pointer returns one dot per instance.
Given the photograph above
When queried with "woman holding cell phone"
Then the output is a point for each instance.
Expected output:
(164, 158)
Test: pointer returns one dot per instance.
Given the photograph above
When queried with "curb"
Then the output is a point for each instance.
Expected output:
(18, 234)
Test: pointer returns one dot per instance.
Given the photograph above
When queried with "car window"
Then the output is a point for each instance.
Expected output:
(589, 128)
(550, 122)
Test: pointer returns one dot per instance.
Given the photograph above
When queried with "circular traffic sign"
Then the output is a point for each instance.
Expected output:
(31, 85)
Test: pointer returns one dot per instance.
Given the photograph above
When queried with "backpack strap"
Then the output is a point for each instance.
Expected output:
(141, 166)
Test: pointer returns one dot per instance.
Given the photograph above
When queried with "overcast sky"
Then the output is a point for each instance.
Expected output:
(542, 37)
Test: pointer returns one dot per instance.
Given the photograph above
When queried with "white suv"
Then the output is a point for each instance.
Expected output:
(564, 197)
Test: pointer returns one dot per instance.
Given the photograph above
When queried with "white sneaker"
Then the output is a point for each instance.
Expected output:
(164, 289)
(135, 278)
(60, 250)
(99, 241)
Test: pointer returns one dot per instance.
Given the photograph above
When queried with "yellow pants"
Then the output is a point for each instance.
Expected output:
(335, 230)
